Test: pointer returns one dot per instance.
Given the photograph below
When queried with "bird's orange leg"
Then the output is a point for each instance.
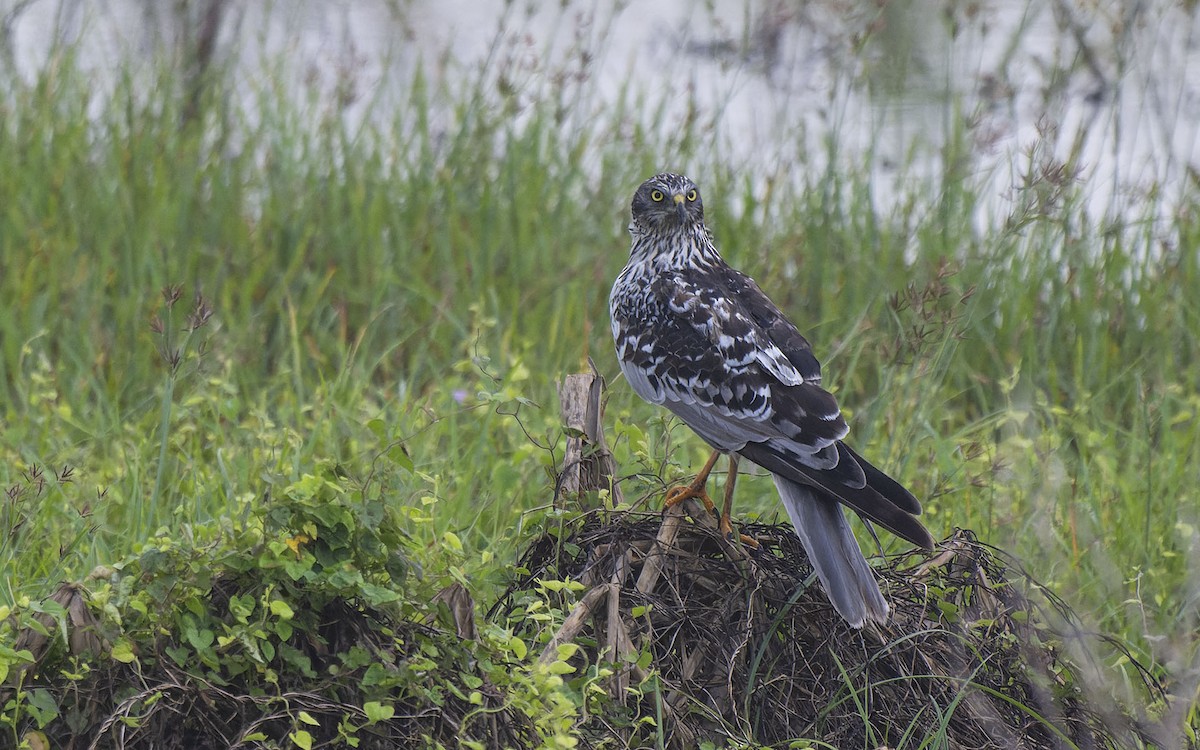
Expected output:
(695, 490)
(725, 526)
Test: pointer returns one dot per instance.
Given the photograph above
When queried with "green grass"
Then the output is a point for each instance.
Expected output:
(421, 288)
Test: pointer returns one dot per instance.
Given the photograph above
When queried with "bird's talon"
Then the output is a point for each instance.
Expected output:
(674, 496)
(677, 495)
(725, 527)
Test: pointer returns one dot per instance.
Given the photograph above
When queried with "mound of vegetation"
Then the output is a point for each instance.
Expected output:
(720, 642)
(297, 626)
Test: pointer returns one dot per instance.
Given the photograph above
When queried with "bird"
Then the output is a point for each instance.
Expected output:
(702, 339)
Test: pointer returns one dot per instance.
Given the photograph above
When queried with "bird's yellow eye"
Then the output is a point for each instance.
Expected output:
(657, 196)
(691, 194)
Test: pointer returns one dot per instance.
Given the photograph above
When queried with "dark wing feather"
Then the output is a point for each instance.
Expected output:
(781, 331)
(867, 501)
(895, 492)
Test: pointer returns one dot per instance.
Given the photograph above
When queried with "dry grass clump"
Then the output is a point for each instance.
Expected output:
(717, 642)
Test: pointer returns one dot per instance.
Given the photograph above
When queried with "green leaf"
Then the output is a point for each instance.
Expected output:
(399, 456)
(302, 739)
(201, 639)
(518, 647)
(644, 660)
(377, 711)
(41, 706)
(561, 667)
(122, 651)
(241, 607)
(307, 718)
(281, 609)
(566, 650)
(378, 428)
(178, 654)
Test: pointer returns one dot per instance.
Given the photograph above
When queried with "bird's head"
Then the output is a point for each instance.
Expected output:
(667, 202)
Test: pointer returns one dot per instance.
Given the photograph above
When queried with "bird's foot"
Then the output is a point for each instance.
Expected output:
(683, 493)
(725, 527)
(695, 490)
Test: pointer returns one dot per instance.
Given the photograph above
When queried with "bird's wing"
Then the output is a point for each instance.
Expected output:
(710, 360)
(731, 366)
(886, 503)
(854, 481)
(781, 332)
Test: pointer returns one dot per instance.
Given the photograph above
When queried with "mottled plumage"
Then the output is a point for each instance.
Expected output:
(702, 339)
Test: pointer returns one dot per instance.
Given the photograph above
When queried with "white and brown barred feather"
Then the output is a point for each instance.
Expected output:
(703, 340)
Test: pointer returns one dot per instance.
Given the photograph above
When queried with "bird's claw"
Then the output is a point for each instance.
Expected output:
(725, 527)
(683, 493)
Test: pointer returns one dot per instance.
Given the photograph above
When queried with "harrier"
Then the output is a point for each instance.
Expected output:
(701, 339)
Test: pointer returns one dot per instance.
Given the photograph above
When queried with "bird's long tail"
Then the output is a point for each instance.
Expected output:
(834, 552)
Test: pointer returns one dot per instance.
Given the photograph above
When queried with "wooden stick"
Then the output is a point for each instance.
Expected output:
(587, 463)
(653, 565)
(575, 621)
(619, 646)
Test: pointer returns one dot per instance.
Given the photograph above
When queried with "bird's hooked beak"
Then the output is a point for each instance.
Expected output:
(680, 206)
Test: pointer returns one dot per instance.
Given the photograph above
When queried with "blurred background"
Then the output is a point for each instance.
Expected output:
(1107, 87)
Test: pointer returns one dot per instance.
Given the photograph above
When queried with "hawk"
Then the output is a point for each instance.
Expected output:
(700, 338)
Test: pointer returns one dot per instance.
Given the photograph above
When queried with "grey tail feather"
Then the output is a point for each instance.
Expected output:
(834, 552)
